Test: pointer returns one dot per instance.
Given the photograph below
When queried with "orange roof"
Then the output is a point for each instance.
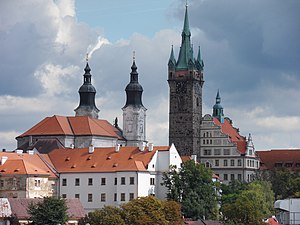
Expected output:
(185, 158)
(289, 158)
(103, 159)
(233, 134)
(78, 125)
(25, 163)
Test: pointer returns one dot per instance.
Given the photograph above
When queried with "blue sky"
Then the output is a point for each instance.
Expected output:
(250, 48)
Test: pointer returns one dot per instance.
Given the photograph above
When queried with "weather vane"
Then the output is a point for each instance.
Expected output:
(186, 3)
(133, 55)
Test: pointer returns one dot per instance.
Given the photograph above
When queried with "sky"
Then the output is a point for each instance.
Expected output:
(250, 49)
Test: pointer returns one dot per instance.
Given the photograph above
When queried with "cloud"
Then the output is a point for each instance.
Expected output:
(249, 48)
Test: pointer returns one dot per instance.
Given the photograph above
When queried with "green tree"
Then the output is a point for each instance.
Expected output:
(141, 211)
(50, 211)
(108, 215)
(251, 205)
(192, 186)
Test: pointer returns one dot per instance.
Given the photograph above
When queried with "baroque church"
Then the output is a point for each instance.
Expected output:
(85, 129)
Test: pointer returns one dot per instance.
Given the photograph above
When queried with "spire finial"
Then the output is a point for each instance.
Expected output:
(133, 55)
(87, 57)
(186, 3)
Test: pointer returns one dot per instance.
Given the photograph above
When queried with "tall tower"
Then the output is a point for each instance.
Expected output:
(87, 92)
(185, 80)
(134, 113)
(218, 109)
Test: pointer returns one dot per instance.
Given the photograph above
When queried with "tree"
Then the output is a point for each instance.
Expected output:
(192, 186)
(50, 211)
(141, 211)
(107, 215)
(251, 205)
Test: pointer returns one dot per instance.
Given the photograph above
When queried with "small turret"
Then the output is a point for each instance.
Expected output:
(218, 109)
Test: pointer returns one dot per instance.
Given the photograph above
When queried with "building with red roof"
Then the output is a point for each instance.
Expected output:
(230, 155)
(85, 128)
(26, 175)
(280, 158)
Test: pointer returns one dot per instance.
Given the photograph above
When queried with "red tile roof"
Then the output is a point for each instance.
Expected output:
(288, 158)
(24, 164)
(103, 159)
(233, 134)
(78, 125)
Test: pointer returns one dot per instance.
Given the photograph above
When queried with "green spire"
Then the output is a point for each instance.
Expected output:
(218, 109)
(172, 59)
(186, 51)
(199, 61)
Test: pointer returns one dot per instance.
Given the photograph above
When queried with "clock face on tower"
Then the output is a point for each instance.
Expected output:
(181, 87)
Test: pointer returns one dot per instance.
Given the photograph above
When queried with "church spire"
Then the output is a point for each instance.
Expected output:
(218, 109)
(172, 60)
(87, 92)
(134, 90)
(186, 51)
(134, 113)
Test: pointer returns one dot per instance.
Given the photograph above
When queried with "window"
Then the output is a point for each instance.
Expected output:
(90, 197)
(131, 196)
(217, 151)
(203, 141)
(207, 152)
(216, 162)
(90, 181)
(122, 180)
(131, 181)
(210, 141)
(122, 197)
(64, 195)
(278, 164)
(152, 181)
(297, 164)
(64, 182)
(115, 197)
(225, 176)
(231, 176)
(116, 180)
(1, 183)
(77, 181)
(226, 151)
(240, 177)
(225, 162)
(239, 162)
(37, 183)
(103, 197)
(77, 196)
(288, 164)
(207, 164)
(232, 162)
(103, 181)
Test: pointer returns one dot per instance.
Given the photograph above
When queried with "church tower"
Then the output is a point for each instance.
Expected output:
(185, 80)
(134, 113)
(87, 92)
(218, 109)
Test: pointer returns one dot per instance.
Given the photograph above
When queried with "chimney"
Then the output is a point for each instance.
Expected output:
(194, 157)
(19, 151)
(30, 152)
(3, 160)
(150, 147)
(142, 146)
(91, 149)
(117, 147)
(72, 146)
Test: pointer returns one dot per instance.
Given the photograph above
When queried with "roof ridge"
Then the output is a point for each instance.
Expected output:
(36, 126)
(68, 119)
(59, 122)
(89, 127)
(48, 164)
(111, 133)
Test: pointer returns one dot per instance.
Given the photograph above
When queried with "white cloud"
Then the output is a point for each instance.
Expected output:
(54, 78)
